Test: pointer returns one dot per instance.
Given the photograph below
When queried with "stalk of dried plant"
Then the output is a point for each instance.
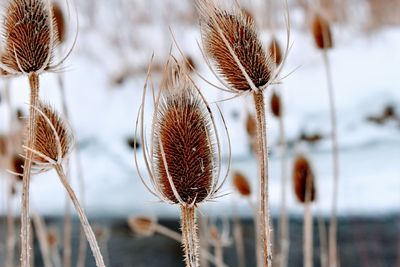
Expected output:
(29, 39)
(185, 160)
(238, 238)
(52, 146)
(231, 41)
(304, 187)
(324, 41)
(276, 108)
(52, 241)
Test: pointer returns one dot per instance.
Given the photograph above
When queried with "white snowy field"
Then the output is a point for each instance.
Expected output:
(365, 70)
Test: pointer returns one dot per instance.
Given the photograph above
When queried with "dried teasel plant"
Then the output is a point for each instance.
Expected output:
(59, 20)
(29, 38)
(324, 41)
(232, 45)
(277, 110)
(185, 155)
(275, 51)
(304, 188)
(52, 146)
(241, 184)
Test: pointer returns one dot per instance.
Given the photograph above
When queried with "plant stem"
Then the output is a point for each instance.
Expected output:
(308, 235)
(263, 161)
(238, 236)
(9, 261)
(335, 162)
(284, 223)
(322, 238)
(41, 232)
(82, 217)
(25, 220)
(190, 239)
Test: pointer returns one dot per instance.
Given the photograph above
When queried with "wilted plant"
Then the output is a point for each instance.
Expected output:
(231, 43)
(277, 110)
(324, 41)
(52, 146)
(29, 39)
(184, 161)
(304, 188)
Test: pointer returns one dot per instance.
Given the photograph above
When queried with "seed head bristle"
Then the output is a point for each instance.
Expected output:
(28, 37)
(303, 179)
(144, 226)
(184, 142)
(53, 137)
(59, 21)
(322, 32)
(276, 106)
(275, 51)
(224, 31)
(241, 184)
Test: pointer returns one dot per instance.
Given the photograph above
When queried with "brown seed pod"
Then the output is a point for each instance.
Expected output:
(241, 184)
(275, 51)
(303, 178)
(184, 140)
(230, 38)
(28, 36)
(144, 226)
(59, 20)
(53, 138)
(251, 125)
(322, 32)
(17, 163)
(276, 106)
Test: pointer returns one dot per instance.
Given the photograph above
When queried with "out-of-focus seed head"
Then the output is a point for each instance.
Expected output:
(251, 125)
(276, 106)
(275, 51)
(59, 20)
(241, 184)
(28, 37)
(303, 180)
(322, 32)
(144, 226)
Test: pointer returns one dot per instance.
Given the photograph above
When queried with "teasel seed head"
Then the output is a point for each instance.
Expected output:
(53, 139)
(17, 164)
(231, 41)
(144, 226)
(59, 20)
(276, 106)
(184, 144)
(275, 51)
(303, 180)
(28, 37)
(322, 32)
(251, 125)
(241, 184)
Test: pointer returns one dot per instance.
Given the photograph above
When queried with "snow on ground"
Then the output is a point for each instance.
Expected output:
(365, 72)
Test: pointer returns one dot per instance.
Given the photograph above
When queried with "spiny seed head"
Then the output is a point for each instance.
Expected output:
(59, 20)
(226, 31)
(251, 125)
(276, 106)
(322, 32)
(17, 163)
(241, 184)
(275, 51)
(144, 226)
(53, 137)
(184, 142)
(28, 37)
(303, 180)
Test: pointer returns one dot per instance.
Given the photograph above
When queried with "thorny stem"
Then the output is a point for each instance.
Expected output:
(335, 162)
(25, 220)
(82, 217)
(190, 241)
(263, 161)
(284, 223)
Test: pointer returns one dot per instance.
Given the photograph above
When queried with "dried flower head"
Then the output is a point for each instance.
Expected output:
(28, 37)
(53, 139)
(17, 163)
(276, 106)
(275, 51)
(322, 32)
(303, 180)
(144, 226)
(241, 184)
(59, 21)
(251, 125)
(231, 41)
(185, 161)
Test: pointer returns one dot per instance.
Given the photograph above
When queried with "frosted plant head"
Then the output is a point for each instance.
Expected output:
(184, 161)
